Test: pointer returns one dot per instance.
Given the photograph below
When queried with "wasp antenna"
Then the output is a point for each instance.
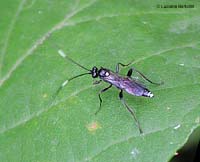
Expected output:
(61, 53)
(64, 83)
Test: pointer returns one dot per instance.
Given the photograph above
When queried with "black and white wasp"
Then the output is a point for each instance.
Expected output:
(123, 83)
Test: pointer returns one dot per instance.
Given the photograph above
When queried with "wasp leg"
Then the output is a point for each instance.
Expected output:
(130, 110)
(97, 82)
(143, 76)
(100, 100)
(123, 65)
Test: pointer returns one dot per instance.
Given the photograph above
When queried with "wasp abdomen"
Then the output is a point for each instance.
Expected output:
(147, 93)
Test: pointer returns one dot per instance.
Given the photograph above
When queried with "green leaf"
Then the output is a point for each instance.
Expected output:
(163, 43)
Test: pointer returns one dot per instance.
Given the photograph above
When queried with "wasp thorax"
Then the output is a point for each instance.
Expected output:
(104, 73)
(94, 72)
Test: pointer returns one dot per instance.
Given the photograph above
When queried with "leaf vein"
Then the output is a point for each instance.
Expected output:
(41, 40)
(49, 107)
(9, 32)
(126, 139)
(115, 15)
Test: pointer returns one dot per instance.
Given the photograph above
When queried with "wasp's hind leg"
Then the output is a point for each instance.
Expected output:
(123, 65)
(143, 76)
(130, 110)
(100, 100)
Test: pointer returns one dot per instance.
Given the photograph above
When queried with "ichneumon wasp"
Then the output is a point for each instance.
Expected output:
(123, 83)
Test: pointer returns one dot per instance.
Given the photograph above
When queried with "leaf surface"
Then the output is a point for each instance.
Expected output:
(162, 43)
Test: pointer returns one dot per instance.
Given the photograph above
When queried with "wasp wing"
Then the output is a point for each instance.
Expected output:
(136, 88)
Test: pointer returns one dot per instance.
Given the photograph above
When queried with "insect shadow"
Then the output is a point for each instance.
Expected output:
(123, 83)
